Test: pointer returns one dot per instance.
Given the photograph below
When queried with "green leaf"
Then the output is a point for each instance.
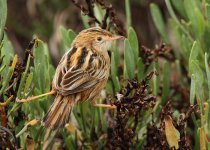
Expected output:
(132, 37)
(114, 72)
(67, 36)
(109, 87)
(117, 56)
(116, 84)
(179, 70)
(186, 45)
(194, 54)
(166, 83)
(171, 12)
(158, 20)
(2, 68)
(3, 16)
(99, 13)
(28, 82)
(23, 77)
(129, 61)
(177, 36)
(200, 23)
(42, 66)
(156, 79)
(128, 12)
(7, 51)
(174, 17)
(207, 72)
(194, 51)
(179, 5)
(205, 39)
(140, 69)
(39, 64)
(114, 69)
(192, 89)
(6, 80)
(195, 17)
(189, 6)
(199, 79)
(183, 43)
(208, 12)
(85, 20)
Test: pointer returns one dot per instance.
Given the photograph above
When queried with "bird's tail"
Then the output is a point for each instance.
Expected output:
(59, 113)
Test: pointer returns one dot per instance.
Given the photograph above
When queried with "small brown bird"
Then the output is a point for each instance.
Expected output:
(81, 74)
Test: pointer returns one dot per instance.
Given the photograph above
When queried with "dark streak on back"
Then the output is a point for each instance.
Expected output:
(92, 57)
(72, 51)
(82, 57)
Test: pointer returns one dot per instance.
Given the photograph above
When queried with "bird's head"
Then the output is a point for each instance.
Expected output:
(96, 38)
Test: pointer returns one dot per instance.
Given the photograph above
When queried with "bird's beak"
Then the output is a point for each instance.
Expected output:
(117, 37)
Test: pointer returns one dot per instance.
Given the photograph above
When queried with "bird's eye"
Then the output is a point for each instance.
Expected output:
(99, 38)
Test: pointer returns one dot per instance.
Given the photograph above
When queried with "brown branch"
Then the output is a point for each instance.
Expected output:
(128, 106)
(163, 51)
(114, 22)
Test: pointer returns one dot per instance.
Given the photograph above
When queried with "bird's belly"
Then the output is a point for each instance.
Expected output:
(92, 93)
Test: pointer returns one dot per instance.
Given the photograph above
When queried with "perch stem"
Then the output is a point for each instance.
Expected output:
(36, 97)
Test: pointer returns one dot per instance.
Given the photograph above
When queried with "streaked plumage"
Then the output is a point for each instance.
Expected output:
(81, 74)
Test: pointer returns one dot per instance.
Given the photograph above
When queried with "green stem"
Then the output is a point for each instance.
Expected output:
(171, 12)
(128, 12)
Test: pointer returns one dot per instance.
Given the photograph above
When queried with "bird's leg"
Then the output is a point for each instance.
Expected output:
(53, 91)
(102, 105)
(105, 106)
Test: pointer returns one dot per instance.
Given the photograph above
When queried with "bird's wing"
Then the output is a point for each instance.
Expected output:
(79, 70)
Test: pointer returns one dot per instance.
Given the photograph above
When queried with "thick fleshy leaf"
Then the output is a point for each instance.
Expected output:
(128, 12)
(28, 82)
(23, 78)
(176, 20)
(114, 69)
(116, 84)
(109, 87)
(179, 5)
(132, 37)
(114, 73)
(156, 79)
(129, 60)
(67, 36)
(6, 80)
(158, 20)
(199, 80)
(195, 17)
(3, 16)
(194, 53)
(207, 72)
(140, 69)
(7, 51)
(192, 89)
(166, 83)
(208, 12)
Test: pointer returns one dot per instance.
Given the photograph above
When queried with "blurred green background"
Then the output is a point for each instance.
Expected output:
(43, 18)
